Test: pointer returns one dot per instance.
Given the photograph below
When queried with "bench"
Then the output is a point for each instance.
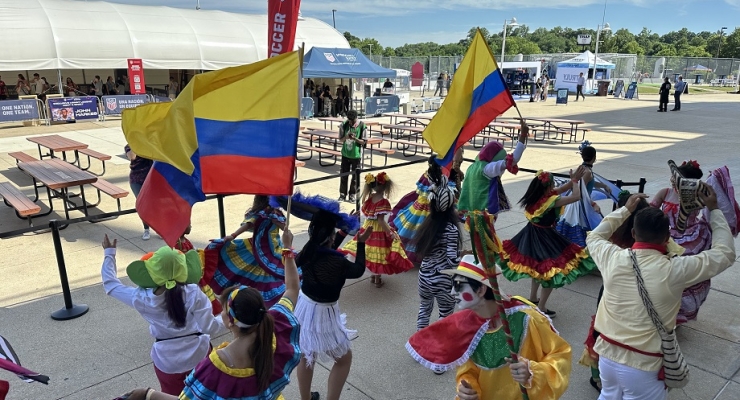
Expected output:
(384, 152)
(101, 185)
(485, 138)
(13, 197)
(405, 145)
(22, 157)
(323, 154)
(96, 155)
(298, 164)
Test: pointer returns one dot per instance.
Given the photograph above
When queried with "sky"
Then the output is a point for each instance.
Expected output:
(396, 22)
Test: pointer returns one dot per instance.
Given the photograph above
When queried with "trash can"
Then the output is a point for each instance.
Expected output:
(405, 108)
(603, 88)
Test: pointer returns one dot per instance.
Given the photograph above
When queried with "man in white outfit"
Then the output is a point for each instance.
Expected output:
(579, 86)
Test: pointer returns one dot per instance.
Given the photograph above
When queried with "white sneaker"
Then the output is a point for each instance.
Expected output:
(146, 235)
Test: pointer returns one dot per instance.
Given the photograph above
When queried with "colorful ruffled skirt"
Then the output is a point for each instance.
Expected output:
(541, 253)
(384, 253)
(408, 220)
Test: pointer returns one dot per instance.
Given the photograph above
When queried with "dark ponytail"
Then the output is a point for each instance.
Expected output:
(262, 353)
(435, 170)
(175, 303)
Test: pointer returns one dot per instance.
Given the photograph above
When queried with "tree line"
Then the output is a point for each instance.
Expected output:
(521, 40)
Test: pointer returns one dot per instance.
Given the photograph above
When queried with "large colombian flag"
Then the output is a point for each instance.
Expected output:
(229, 131)
(478, 95)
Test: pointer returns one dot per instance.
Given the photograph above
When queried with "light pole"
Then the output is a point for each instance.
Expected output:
(512, 23)
(599, 28)
(371, 51)
(197, 5)
(333, 18)
(719, 45)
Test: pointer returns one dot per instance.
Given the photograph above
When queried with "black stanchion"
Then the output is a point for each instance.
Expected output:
(70, 310)
(221, 216)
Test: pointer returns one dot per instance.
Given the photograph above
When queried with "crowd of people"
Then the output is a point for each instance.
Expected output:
(282, 304)
(327, 104)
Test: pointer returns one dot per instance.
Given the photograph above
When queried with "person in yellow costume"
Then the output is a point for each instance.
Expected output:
(472, 341)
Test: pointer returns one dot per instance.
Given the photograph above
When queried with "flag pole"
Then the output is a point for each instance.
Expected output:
(300, 99)
(480, 224)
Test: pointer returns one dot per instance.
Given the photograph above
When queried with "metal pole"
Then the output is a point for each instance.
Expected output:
(59, 81)
(70, 310)
(221, 217)
(503, 43)
(596, 54)
(333, 18)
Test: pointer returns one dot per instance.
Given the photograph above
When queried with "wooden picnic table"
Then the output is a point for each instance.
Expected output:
(410, 131)
(56, 143)
(332, 120)
(509, 131)
(57, 176)
(557, 126)
(410, 118)
(333, 137)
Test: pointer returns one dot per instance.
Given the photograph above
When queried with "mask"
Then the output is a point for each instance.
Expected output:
(465, 297)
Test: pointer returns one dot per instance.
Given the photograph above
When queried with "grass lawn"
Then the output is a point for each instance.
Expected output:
(649, 88)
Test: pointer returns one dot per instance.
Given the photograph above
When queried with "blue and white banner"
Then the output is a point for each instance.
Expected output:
(161, 99)
(73, 108)
(378, 105)
(306, 107)
(18, 110)
(114, 105)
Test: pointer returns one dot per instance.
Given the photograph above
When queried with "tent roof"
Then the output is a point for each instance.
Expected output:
(67, 34)
(698, 67)
(342, 63)
(586, 59)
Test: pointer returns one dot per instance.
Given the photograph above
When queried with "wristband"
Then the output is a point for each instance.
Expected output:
(149, 393)
(288, 253)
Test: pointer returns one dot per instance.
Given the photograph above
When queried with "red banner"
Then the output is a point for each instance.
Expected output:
(282, 19)
(136, 76)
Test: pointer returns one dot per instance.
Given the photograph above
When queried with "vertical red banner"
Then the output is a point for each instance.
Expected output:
(136, 76)
(282, 20)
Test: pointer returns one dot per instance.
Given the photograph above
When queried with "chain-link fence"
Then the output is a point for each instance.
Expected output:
(433, 66)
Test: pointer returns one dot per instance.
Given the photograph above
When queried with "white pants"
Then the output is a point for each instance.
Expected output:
(620, 382)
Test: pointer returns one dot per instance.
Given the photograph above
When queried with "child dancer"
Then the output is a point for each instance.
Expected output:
(697, 236)
(384, 253)
(438, 242)
(538, 251)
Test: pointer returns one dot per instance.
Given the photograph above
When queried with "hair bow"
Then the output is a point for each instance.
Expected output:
(382, 178)
(369, 179)
(693, 163)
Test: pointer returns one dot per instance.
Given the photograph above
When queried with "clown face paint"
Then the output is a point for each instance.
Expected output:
(465, 297)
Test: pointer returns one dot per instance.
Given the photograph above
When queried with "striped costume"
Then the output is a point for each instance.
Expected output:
(255, 262)
(213, 380)
(435, 285)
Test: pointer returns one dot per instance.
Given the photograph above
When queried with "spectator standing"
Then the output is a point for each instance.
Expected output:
(97, 86)
(37, 85)
(110, 87)
(680, 88)
(352, 135)
(21, 87)
(139, 170)
(3, 90)
(545, 86)
(579, 86)
(629, 345)
(440, 84)
(172, 88)
(665, 89)
(70, 87)
(388, 85)
(525, 82)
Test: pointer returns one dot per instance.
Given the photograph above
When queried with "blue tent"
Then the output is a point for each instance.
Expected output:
(324, 62)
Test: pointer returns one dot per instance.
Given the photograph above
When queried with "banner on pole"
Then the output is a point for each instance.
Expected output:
(282, 21)
(136, 76)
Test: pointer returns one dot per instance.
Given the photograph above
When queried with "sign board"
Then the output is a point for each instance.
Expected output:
(583, 39)
(19, 110)
(562, 96)
(136, 76)
(417, 74)
(71, 109)
(281, 27)
(378, 105)
(631, 91)
(114, 105)
(306, 108)
(618, 88)
(161, 99)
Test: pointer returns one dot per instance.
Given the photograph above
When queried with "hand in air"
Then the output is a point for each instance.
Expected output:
(107, 243)
(365, 235)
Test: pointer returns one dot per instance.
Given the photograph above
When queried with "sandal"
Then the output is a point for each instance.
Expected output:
(594, 384)
(373, 280)
(379, 282)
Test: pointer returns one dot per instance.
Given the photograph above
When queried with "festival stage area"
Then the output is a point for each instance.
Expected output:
(105, 353)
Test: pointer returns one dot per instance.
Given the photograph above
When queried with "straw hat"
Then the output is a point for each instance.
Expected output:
(166, 267)
(470, 269)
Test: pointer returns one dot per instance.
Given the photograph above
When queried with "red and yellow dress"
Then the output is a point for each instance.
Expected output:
(539, 252)
(384, 254)
(185, 245)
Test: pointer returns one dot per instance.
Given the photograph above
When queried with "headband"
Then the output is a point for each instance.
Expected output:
(543, 176)
(232, 315)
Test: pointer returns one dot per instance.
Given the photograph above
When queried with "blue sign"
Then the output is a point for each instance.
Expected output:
(619, 88)
(161, 99)
(631, 90)
(378, 105)
(562, 96)
(71, 109)
(18, 110)
(114, 105)
(306, 108)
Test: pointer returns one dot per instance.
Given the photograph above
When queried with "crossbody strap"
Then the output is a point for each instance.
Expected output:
(644, 295)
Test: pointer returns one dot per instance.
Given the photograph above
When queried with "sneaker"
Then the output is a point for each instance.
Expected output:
(146, 235)
(438, 371)
(351, 198)
(315, 396)
(342, 197)
(550, 313)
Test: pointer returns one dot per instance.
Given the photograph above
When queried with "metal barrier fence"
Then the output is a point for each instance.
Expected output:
(71, 310)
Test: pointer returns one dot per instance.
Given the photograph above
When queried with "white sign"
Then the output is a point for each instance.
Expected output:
(584, 39)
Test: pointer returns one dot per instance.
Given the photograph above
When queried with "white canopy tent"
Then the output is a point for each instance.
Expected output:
(569, 71)
(68, 34)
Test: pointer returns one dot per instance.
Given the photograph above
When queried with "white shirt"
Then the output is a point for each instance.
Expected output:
(497, 168)
(175, 355)
(581, 80)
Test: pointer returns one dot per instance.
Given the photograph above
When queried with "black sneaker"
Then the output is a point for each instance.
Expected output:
(351, 198)
(315, 396)
(342, 197)
(550, 313)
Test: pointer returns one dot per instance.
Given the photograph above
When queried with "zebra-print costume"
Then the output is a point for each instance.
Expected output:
(432, 283)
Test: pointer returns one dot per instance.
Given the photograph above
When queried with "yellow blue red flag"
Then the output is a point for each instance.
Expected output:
(477, 96)
(229, 131)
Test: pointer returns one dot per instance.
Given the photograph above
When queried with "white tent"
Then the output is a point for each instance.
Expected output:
(72, 35)
(569, 71)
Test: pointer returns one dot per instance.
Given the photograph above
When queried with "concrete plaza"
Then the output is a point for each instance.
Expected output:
(105, 353)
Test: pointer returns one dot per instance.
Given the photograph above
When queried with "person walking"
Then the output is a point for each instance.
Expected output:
(579, 86)
(665, 89)
(440, 84)
(680, 88)
(351, 134)
(629, 345)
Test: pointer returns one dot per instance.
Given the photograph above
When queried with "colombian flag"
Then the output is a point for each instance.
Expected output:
(478, 95)
(229, 131)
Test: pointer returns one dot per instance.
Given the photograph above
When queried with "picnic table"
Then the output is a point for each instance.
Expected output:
(57, 144)
(321, 135)
(414, 119)
(332, 120)
(501, 131)
(557, 126)
(403, 130)
(57, 176)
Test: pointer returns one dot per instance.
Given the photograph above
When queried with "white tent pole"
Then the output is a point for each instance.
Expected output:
(59, 78)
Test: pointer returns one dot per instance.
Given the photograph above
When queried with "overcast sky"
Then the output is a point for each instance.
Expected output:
(395, 22)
